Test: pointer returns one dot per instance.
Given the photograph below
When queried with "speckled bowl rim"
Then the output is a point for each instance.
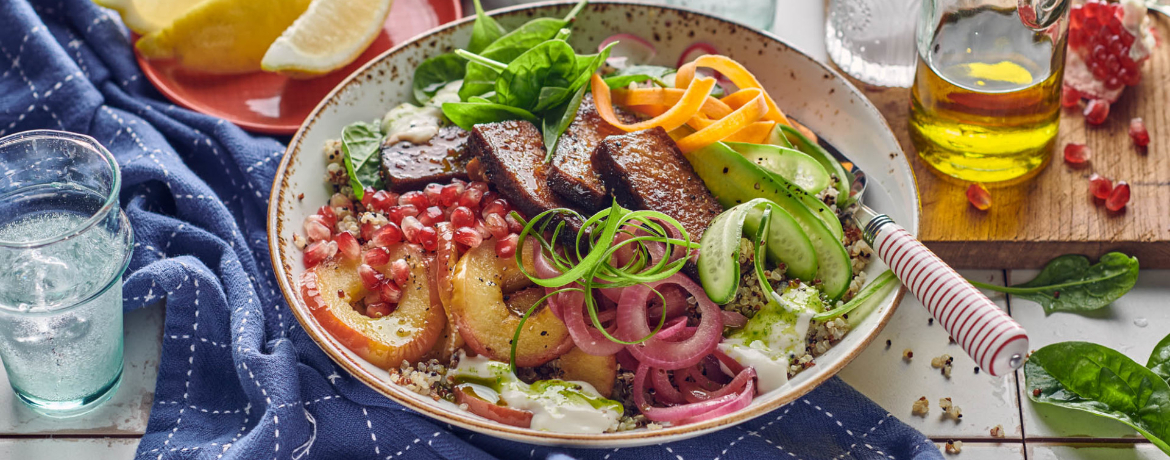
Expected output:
(481, 425)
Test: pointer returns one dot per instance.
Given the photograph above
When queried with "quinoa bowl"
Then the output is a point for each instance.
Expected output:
(808, 91)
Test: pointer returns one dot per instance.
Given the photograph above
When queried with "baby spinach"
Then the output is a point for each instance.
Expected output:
(1070, 283)
(485, 31)
(436, 72)
(557, 120)
(549, 64)
(468, 114)
(1160, 359)
(1101, 381)
(361, 143)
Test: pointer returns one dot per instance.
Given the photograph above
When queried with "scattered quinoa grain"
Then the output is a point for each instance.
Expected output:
(997, 432)
(944, 362)
(907, 355)
(921, 407)
(954, 447)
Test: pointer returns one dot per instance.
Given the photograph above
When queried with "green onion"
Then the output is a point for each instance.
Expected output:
(868, 291)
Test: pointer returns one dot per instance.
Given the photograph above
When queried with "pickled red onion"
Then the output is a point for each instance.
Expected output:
(632, 325)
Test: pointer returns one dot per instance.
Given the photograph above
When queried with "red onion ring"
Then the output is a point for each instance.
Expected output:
(741, 401)
(655, 351)
(733, 318)
(585, 336)
(674, 413)
(664, 390)
(693, 391)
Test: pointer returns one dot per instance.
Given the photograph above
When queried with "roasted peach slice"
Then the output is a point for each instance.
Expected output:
(487, 312)
(405, 334)
(599, 371)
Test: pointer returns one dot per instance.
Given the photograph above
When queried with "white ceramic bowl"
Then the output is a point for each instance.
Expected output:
(804, 88)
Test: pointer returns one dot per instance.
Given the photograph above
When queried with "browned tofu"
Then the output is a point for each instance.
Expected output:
(645, 170)
(571, 174)
(511, 156)
(407, 166)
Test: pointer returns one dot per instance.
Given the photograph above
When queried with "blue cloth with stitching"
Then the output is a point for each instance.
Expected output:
(238, 378)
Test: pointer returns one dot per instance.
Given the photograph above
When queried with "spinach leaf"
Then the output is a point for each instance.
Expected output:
(556, 121)
(469, 114)
(485, 31)
(480, 79)
(1070, 283)
(361, 143)
(637, 74)
(1160, 359)
(551, 96)
(1101, 381)
(436, 72)
(550, 64)
(587, 65)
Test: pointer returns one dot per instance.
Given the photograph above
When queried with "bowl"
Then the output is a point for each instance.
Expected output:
(806, 89)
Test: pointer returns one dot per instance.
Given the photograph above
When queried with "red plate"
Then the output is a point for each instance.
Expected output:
(269, 103)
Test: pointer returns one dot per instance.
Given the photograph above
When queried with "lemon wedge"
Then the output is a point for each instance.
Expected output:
(331, 34)
(223, 36)
(146, 16)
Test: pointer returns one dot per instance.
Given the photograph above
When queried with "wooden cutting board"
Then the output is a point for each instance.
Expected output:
(1054, 214)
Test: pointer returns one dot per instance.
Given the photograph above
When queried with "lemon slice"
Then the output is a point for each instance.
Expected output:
(327, 37)
(146, 16)
(223, 36)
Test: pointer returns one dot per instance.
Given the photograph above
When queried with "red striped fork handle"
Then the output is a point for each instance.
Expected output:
(992, 338)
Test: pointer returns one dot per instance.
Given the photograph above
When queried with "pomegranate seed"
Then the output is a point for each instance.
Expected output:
(416, 198)
(340, 201)
(471, 197)
(490, 196)
(367, 231)
(376, 257)
(391, 293)
(1076, 154)
(461, 216)
(397, 213)
(495, 207)
(496, 225)
(467, 236)
(378, 310)
(979, 197)
(481, 228)
(368, 197)
(315, 228)
(383, 200)
(1138, 132)
(348, 246)
(387, 235)
(431, 216)
(326, 213)
(373, 297)
(433, 192)
(514, 225)
(1069, 96)
(371, 278)
(506, 247)
(1100, 187)
(400, 271)
(1096, 111)
(428, 238)
(1118, 197)
(410, 228)
(450, 193)
(319, 252)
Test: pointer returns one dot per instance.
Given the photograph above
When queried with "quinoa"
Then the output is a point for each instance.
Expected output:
(998, 432)
(921, 407)
(944, 363)
(427, 378)
(954, 447)
(950, 409)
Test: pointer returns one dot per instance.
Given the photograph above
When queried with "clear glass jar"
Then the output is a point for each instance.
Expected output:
(873, 40)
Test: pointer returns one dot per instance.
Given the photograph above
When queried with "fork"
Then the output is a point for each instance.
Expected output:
(996, 342)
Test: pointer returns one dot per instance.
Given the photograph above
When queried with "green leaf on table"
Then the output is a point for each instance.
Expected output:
(485, 31)
(1101, 381)
(435, 73)
(556, 121)
(1160, 359)
(549, 64)
(468, 114)
(361, 143)
(1070, 283)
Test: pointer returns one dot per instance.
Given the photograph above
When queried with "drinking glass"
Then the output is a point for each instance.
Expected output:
(986, 96)
(759, 14)
(873, 40)
(64, 243)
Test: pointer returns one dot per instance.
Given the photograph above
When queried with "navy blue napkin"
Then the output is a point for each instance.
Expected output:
(238, 378)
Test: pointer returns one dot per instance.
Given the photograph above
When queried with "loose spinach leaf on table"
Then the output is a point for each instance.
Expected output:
(436, 72)
(485, 31)
(468, 114)
(1101, 381)
(1160, 359)
(1070, 283)
(556, 121)
(361, 143)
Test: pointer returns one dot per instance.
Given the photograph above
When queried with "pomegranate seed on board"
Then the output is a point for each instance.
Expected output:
(1076, 154)
(431, 216)
(318, 252)
(467, 236)
(410, 228)
(1118, 198)
(386, 235)
(433, 192)
(496, 225)
(371, 278)
(450, 193)
(391, 294)
(1138, 132)
(1069, 97)
(1100, 187)
(400, 271)
(397, 213)
(348, 246)
(378, 310)
(315, 228)
(428, 238)
(462, 216)
(979, 197)
(376, 257)
(506, 247)
(1096, 111)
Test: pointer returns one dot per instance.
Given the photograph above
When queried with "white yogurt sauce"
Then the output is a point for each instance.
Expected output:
(417, 125)
(775, 335)
(560, 406)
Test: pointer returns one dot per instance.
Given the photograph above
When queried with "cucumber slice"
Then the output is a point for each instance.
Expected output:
(814, 150)
(797, 167)
(718, 265)
(776, 137)
(734, 180)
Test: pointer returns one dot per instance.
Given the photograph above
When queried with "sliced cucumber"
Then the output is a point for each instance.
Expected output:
(776, 137)
(814, 150)
(718, 265)
(797, 167)
(734, 180)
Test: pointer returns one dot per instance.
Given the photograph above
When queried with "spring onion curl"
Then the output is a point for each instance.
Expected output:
(868, 291)
(591, 265)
